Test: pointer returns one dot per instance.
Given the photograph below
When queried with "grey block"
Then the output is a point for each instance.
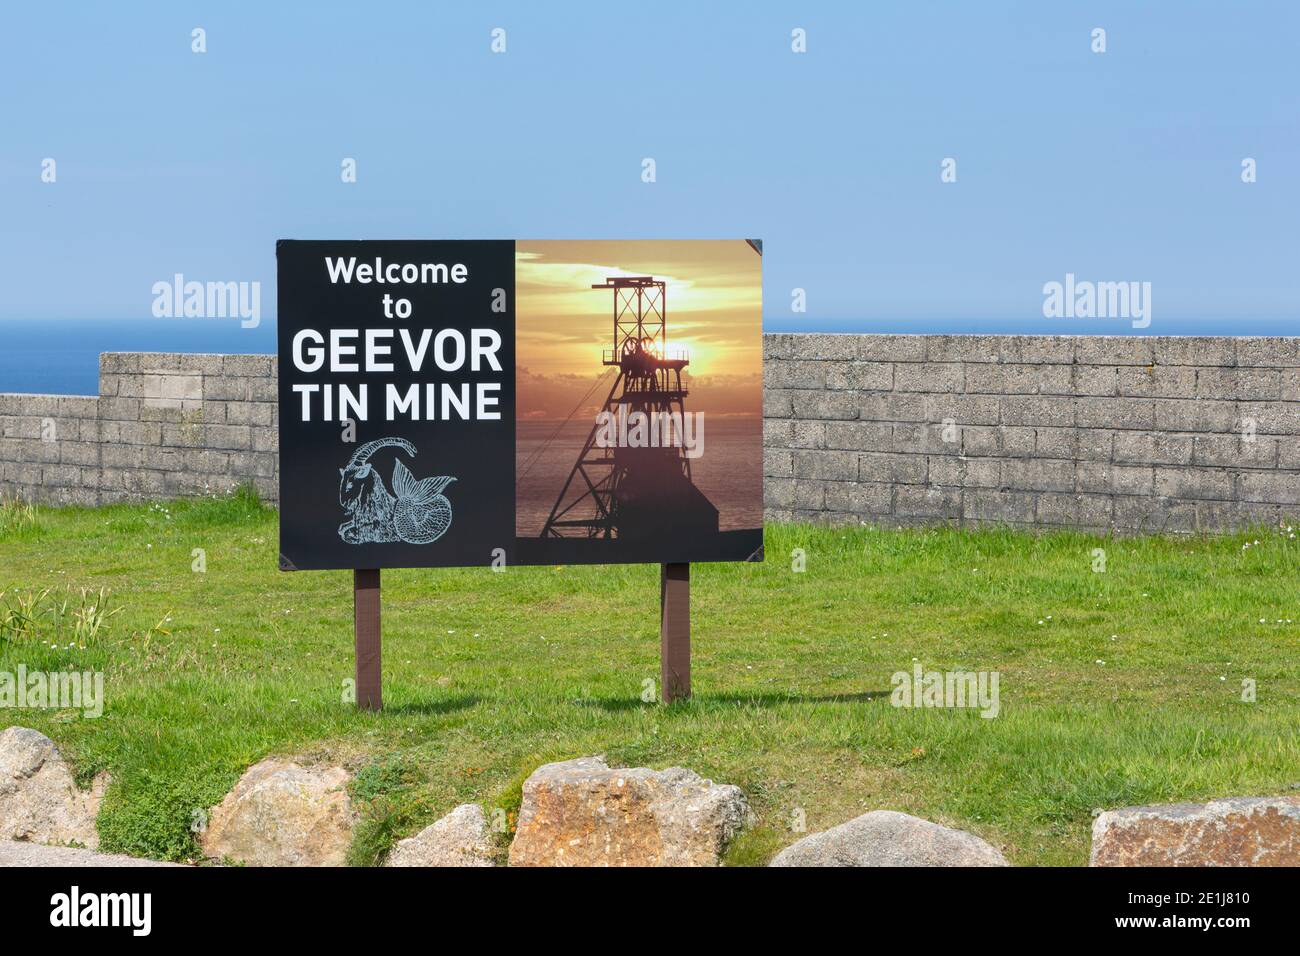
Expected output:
(1193, 482)
(1194, 350)
(894, 407)
(988, 506)
(963, 409)
(1019, 379)
(924, 438)
(859, 436)
(777, 463)
(251, 366)
(861, 376)
(826, 465)
(79, 452)
(263, 390)
(182, 363)
(1038, 410)
(1274, 487)
(266, 439)
(1253, 384)
(1288, 454)
(1095, 477)
(1268, 418)
(777, 345)
(1155, 448)
(797, 374)
(1037, 475)
(859, 498)
(929, 377)
(777, 432)
(119, 362)
(1113, 350)
(809, 495)
(119, 409)
(777, 403)
(1157, 381)
(824, 346)
(892, 468)
(1057, 442)
(964, 472)
(1038, 349)
(824, 405)
(1289, 388)
(1095, 379)
(808, 435)
(1124, 413)
(891, 348)
(778, 492)
(1080, 511)
(1273, 351)
(919, 501)
(963, 348)
(1235, 451)
(976, 440)
(1195, 415)
(1094, 444)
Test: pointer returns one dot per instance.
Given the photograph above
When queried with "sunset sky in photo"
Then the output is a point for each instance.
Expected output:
(714, 299)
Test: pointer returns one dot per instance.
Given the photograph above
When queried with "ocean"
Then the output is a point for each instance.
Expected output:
(61, 356)
(728, 472)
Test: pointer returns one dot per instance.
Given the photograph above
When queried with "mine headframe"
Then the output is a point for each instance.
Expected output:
(611, 485)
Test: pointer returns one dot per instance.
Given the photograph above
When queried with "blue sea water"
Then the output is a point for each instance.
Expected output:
(61, 356)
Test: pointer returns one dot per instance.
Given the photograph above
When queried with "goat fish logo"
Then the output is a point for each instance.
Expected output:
(414, 512)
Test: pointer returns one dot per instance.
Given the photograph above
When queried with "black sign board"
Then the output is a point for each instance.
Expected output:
(414, 433)
(397, 425)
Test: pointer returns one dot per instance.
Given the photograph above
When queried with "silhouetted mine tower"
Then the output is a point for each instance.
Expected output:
(635, 493)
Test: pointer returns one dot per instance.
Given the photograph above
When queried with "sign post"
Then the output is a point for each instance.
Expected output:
(365, 612)
(674, 632)
(423, 392)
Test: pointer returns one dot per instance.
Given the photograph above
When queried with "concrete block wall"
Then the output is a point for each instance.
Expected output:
(1093, 432)
(164, 425)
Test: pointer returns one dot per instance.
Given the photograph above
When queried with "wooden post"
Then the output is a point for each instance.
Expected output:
(365, 598)
(675, 632)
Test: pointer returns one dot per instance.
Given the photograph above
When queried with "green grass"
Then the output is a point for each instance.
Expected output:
(488, 675)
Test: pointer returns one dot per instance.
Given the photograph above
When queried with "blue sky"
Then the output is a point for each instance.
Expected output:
(1117, 166)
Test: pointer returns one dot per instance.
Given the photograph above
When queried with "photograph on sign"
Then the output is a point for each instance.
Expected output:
(476, 403)
(639, 401)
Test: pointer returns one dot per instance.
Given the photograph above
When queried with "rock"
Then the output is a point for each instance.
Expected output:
(283, 814)
(887, 838)
(32, 855)
(582, 813)
(1238, 831)
(40, 801)
(461, 838)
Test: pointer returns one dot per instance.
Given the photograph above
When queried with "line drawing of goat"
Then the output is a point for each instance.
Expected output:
(415, 512)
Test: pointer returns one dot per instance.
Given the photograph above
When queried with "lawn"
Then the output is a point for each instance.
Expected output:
(1118, 686)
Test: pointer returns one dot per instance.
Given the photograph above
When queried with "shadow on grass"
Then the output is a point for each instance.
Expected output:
(733, 700)
(447, 705)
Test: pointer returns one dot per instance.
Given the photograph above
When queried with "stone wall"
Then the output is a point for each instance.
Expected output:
(1128, 433)
(1094, 432)
(164, 425)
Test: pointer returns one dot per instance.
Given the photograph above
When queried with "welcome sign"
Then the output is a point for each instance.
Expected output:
(463, 403)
